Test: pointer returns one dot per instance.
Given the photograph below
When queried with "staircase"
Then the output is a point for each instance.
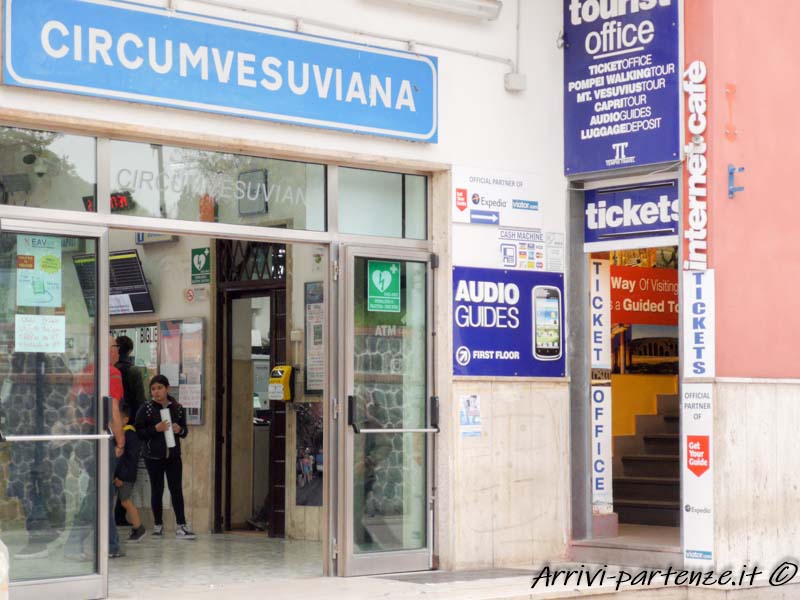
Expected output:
(647, 489)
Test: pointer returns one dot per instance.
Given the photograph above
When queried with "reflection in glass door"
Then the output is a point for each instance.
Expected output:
(50, 414)
(389, 434)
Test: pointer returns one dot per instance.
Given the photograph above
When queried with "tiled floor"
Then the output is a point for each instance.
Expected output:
(155, 565)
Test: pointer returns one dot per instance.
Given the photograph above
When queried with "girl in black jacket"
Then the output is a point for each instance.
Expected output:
(159, 458)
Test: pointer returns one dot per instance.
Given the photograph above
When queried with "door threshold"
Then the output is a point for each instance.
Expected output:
(636, 545)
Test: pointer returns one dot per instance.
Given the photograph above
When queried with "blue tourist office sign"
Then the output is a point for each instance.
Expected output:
(128, 51)
(621, 84)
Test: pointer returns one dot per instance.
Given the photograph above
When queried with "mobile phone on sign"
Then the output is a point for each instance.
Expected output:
(546, 322)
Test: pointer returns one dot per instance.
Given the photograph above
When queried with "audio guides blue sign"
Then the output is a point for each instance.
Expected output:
(148, 54)
(645, 215)
(508, 323)
(621, 84)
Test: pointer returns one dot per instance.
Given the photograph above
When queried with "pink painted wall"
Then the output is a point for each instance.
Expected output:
(754, 243)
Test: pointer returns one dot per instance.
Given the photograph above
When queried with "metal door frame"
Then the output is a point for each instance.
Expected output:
(95, 585)
(349, 563)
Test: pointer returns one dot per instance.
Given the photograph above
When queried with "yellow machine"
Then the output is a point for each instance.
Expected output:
(281, 383)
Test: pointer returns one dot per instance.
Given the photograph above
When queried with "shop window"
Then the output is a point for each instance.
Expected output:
(45, 169)
(151, 180)
(384, 204)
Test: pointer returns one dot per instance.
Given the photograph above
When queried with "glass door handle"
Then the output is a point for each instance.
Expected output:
(351, 421)
(418, 430)
(351, 414)
(53, 438)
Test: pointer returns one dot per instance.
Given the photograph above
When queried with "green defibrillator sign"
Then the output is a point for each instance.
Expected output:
(201, 265)
(383, 286)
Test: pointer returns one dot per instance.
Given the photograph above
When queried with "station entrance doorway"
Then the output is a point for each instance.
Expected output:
(631, 375)
(358, 471)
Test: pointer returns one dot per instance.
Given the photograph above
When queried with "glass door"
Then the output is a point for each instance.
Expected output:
(388, 436)
(53, 370)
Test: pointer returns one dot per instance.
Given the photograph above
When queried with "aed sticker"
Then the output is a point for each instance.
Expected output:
(383, 286)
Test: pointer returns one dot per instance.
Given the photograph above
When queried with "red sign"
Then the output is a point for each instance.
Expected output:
(461, 199)
(698, 454)
(25, 261)
(644, 296)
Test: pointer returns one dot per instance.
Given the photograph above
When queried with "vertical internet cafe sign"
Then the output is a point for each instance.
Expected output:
(621, 84)
(147, 54)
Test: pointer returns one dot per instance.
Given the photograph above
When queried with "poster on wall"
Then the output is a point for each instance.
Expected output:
(621, 84)
(469, 415)
(181, 350)
(644, 296)
(501, 220)
(145, 344)
(315, 338)
(697, 473)
(508, 323)
(39, 271)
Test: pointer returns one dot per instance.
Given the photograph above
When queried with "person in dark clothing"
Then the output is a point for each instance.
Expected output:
(132, 381)
(125, 474)
(160, 458)
(133, 386)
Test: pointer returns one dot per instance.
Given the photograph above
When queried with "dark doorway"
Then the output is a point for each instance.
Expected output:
(250, 274)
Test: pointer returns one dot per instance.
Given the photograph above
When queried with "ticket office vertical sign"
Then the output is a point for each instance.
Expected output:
(600, 406)
(621, 84)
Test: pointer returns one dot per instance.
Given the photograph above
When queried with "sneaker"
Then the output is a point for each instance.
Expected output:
(158, 530)
(184, 533)
(32, 551)
(79, 556)
(117, 554)
(137, 534)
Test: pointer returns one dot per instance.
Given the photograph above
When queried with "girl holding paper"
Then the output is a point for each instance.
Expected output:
(161, 423)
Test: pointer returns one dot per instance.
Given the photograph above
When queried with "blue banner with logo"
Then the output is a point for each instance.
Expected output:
(644, 215)
(147, 54)
(508, 323)
(621, 84)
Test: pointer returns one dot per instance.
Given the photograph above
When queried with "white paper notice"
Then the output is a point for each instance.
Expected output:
(40, 333)
(190, 395)
(119, 304)
(172, 372)
(169, 436)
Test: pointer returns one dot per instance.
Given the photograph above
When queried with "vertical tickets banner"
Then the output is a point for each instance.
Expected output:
(39, 271)
(697, 474)
(621, 96)
(508, 323)
(699, 350)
